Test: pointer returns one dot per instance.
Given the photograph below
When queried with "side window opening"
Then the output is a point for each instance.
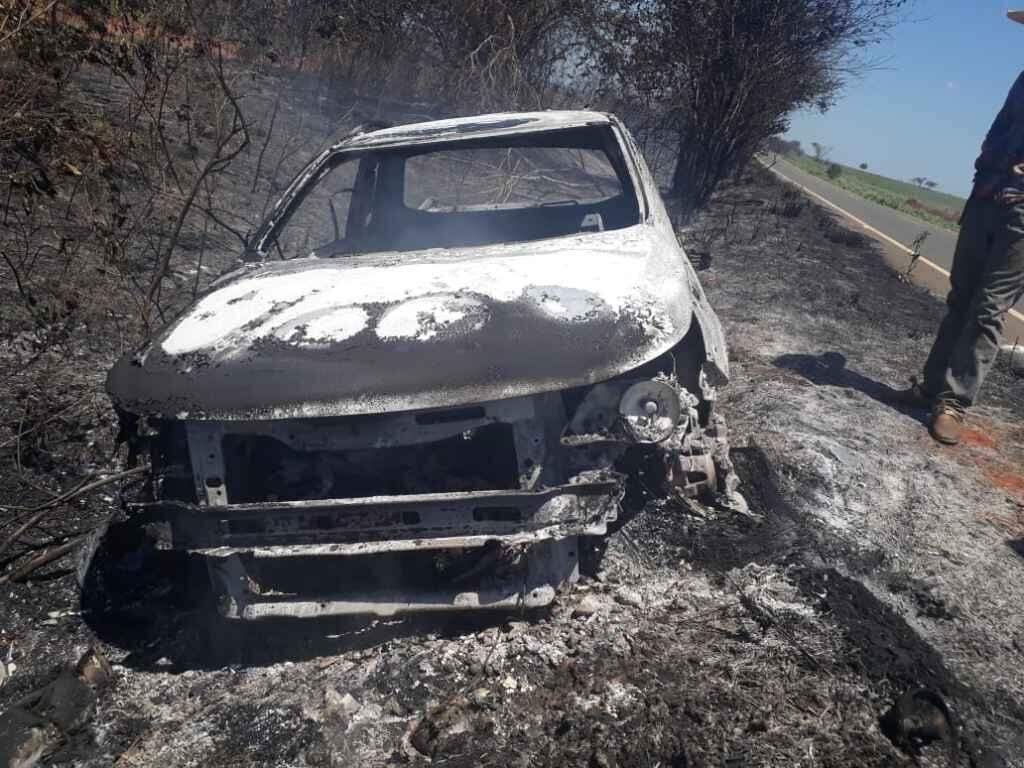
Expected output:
(323, 216)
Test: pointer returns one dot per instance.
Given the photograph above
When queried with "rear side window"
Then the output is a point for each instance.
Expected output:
(494, 178)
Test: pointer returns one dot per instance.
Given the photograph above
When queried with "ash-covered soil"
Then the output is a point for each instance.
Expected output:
(873, 563)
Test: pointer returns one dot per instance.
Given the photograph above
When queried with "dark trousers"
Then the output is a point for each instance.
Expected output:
(986, 281)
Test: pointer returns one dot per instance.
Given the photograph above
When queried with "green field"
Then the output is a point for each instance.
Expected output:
(926, 204)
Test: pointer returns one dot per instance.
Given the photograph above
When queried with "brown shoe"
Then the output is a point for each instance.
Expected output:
(913, 396)
(947, 422)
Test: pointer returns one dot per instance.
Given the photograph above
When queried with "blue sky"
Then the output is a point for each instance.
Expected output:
(945, 75)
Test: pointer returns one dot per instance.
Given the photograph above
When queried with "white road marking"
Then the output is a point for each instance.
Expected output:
(927, 262)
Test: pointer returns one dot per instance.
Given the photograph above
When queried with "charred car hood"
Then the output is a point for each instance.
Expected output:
(391, 332)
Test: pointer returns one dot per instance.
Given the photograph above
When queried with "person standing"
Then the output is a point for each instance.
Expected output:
(987, 278)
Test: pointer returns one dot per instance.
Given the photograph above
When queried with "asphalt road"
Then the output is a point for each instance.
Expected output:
(938, 247)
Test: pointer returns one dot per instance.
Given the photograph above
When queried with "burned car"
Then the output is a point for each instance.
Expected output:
(449, 345)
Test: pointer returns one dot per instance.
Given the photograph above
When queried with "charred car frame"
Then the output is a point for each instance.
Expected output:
(450, 343)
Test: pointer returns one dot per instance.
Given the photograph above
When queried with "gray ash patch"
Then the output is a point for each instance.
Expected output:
(821, 334)
(262, 734)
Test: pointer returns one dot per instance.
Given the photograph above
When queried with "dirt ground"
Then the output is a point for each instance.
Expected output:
(873, 563)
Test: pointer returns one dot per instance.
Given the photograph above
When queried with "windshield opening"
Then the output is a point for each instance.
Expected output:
(472, 193)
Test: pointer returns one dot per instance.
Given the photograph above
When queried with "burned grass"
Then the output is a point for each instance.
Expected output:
(833, 333)
(873, 563)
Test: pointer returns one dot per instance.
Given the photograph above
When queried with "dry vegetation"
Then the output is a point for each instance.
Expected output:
(915, 200)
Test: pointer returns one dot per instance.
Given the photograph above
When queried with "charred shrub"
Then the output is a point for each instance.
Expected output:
(790, 204)
(835, 232)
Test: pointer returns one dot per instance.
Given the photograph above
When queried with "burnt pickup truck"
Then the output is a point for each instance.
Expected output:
(444, 352)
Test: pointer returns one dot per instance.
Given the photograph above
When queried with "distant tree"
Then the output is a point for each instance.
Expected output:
(820, 151)
(931, 184)
(919, 180)
(834, 171)
(863, 166)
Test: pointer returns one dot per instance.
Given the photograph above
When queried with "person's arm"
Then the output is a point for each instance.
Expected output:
(1003, 144)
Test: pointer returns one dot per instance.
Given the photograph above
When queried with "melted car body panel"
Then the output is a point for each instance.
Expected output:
(392, 332)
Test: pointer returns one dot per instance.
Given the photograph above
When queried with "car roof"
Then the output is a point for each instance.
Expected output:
(476, 127)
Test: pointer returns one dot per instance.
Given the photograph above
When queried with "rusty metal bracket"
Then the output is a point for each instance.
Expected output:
(205, 449)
